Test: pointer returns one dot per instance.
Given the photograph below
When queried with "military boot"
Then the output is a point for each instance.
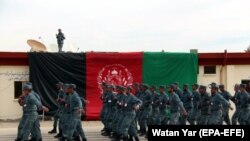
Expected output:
(130, 138)
(84, 139)
(124, 138)
(77, 138)
(137, 139)
(58, 135)
(143, 132)
(53, 131)
(18, 139)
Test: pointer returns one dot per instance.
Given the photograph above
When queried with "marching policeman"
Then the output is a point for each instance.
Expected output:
(236, 100)
(217, 101)
(176, 106)
(187, 99)
(225, 113)
(204, 106)
(196, 101)
(244, 105)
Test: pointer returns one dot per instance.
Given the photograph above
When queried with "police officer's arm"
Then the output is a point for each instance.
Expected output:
(198, 98)
(76, 103)
(229, 96)
(39, 105)
(180, 104)
(224, 102)
(148, 99)
(136, 103)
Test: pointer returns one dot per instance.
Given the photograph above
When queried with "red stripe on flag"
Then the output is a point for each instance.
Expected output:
(112, 68)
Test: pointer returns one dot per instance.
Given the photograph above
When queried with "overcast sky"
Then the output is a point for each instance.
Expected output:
(127, 25)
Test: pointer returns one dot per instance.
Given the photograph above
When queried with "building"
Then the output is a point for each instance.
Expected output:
(223, 68)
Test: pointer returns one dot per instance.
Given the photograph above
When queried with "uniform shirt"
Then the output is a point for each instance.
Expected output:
(38, 98)
(130, 101)
(164, 100)
(110, 99)
(120, 100)
(155, 100)
(138, 94)
(175, 103)
(187, 99)
(227, 96)
(31, 103)
(103, 96)
(60, 37)
(73, 102)
(237, 100)
(146, 99)
(244, 100)
(217, 101)
(205, 103)
(179, 92)
(61, 94)
(196, 99)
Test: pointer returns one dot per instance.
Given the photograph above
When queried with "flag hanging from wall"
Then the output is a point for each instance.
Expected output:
(89, 70)
(47, 69)
(112, 68)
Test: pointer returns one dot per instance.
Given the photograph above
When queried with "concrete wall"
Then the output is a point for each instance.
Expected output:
(227, 75)
(9, 107)
(206, 79)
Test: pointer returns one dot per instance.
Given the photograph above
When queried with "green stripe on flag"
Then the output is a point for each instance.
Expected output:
(161, 68)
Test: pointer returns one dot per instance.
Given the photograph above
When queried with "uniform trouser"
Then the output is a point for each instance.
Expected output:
(20, 127)
(29, 123)
(163, 117)
(215, 117)
(79, 128)
(103, 114)
(194, 117)
(137, 118)
(203, 119)
(70, 126)
(236, 115)
(117, 120)
(132, 131)
(36, 131)
(244, 116)
(174, 118)
(225, 116)
(109, 118)
(62, 121)
(185, 118)
(57, 118)
(146, 112)
(155, 118)
(60, 45)
(127, 121)
(119, 123)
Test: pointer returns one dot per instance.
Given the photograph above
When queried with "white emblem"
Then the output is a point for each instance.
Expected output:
(115, 74)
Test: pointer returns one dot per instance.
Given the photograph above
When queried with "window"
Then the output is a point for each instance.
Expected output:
(209, 69)
(18, 88)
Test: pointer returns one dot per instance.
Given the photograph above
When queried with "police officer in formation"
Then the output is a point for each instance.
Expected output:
(29, 124)
(59, 111)
(70, 126)
(69, 114)
(120, 117)
(155, 106)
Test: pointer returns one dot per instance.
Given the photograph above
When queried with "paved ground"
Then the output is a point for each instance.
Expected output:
(92, 129)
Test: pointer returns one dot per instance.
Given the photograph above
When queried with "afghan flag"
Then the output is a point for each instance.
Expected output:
(89, 70)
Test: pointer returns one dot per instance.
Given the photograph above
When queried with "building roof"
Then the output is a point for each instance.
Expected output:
(225, 58)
